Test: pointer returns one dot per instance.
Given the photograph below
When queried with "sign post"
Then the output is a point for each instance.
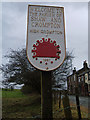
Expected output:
(46, 47)
(46, 95)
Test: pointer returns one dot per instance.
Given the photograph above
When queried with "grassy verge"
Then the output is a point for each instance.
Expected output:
(17, 105)
(12, 94)
(59, 112)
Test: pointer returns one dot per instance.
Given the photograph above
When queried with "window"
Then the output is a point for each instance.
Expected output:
(89, 88)
(86, 78)
(74, 77)
(81, 78)
(89, 76)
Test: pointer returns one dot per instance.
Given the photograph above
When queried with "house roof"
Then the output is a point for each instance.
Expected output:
(81, 71)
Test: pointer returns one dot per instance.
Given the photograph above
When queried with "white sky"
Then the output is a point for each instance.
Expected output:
(14, 27)
(45, 1)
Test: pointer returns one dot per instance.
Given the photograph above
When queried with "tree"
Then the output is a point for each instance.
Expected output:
(60, 74)
(19, 71)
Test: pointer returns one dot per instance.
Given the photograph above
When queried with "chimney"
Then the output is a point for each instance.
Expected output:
(74, 70)
(85, 64)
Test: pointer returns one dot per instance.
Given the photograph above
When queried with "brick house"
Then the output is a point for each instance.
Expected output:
(80, 79)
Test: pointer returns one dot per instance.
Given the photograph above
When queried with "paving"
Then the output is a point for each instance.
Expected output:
(84, 101)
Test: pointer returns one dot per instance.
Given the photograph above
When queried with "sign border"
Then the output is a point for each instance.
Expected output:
(27, 35)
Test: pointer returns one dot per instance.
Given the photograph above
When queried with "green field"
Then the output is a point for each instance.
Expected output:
(17, 105)
(12, 94)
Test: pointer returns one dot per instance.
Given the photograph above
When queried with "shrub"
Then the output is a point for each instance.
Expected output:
(26, 89)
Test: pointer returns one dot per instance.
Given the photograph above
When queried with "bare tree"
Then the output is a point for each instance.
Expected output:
(19, 71)
(60, 74)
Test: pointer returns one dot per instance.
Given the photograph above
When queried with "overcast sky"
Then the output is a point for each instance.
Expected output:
(14, 27)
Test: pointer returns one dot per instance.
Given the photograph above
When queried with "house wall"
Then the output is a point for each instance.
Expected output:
(81, 79)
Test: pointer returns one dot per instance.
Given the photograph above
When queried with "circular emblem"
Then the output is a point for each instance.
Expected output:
(46, 48)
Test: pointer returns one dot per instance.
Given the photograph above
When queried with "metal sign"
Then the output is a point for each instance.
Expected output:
(46, 37)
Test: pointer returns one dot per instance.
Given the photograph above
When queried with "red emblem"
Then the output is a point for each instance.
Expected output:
(46, 48)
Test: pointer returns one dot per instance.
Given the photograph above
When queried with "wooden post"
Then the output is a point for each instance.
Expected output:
(66, 105)
(46, 94)
(77, 97)
(77, 102)
(54, 99)
(59, 99)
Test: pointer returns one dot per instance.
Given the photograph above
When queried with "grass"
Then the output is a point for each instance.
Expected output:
(59, 112)
(12, 94)
(17, 105)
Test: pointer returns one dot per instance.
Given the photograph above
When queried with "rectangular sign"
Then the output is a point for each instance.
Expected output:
(46, 47)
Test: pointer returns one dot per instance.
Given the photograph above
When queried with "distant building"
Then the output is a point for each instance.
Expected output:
(80, 79)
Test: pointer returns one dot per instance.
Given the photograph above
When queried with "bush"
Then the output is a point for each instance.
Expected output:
(26, 89)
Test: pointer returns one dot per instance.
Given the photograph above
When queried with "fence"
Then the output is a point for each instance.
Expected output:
(64, 109)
